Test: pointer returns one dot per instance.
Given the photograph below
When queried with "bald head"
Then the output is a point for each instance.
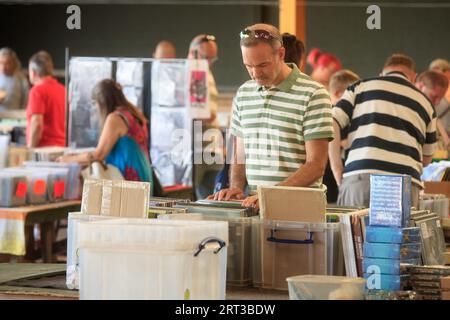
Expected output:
(165, 50)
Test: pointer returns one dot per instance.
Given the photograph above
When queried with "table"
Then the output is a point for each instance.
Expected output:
(44, 215)
(47, 281)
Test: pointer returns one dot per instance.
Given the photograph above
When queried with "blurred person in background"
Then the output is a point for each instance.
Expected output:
(324, 65)
(124, 135)
(13, 83)
(46, 109)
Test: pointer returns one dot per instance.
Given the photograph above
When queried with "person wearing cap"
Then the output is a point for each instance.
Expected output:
(281, 121)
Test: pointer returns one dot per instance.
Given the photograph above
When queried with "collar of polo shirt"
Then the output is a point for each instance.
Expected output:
(287, 83)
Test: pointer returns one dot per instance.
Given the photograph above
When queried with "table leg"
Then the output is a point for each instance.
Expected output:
(30, 254)
(47, 238)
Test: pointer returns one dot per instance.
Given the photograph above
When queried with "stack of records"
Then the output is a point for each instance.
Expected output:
(155, 211)
(433, 241)
(426, 281)
(437, 203)
(220, 209)
(166, 202)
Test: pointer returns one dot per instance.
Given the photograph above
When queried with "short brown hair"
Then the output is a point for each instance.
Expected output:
(400, 59)
(42, 63)
(432, 79)
(275, 43)
(341, 79)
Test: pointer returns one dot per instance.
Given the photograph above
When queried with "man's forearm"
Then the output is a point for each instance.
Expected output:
(237, 177)
(305, 176)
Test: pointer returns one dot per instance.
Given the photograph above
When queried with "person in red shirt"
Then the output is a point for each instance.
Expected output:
(46, 112)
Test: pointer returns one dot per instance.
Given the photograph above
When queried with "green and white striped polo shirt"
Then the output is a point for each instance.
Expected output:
(276, 122)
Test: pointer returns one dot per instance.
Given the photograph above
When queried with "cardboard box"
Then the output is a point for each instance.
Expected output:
(125, 199)
(445, 283)
(292, 203)
(91, 201)
(435, 187)
(445, 295)
(116, 198)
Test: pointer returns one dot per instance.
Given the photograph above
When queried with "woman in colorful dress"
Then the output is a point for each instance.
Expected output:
(123, 140)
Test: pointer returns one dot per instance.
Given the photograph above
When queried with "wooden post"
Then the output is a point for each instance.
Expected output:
(293, 19)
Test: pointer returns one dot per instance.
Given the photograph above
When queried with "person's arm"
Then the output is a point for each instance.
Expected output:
(313, 168)
(443, 133)
(113, 129)
(430, 145)
(238, 178)
(36, 128)
(334, 154)
(24, 93)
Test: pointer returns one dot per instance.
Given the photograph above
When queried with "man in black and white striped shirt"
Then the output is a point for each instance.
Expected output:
(392, 129)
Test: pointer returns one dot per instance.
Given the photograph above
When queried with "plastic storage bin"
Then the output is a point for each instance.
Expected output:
(152, 259)
(73, 268)
(13, 189)
(37, 180)
(312, 287)
(289, 248)
(239, 264)
(73, 189)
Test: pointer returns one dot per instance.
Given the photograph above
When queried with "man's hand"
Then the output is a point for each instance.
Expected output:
(227, 194)
(251, 201)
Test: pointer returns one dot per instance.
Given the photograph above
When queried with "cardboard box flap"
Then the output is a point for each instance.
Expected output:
(292, 203)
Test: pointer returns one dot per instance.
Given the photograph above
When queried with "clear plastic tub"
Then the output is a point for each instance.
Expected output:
(73, 189)
(289, 248)
(13, 189)
(239, 264)
(73, 268)
(313, 287)
(152, 259)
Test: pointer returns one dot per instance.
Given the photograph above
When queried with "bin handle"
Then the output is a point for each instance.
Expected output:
(272, 238)
(210, 243)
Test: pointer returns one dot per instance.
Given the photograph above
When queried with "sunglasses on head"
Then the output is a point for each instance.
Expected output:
(207, 38)
(258, 34)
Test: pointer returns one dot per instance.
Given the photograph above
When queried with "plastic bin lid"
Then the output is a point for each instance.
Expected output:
(326, 279)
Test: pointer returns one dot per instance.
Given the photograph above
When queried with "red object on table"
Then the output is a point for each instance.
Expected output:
(39, 187)
(21, 190)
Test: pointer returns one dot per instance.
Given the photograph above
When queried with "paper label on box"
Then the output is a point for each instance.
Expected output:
(21, 190)
(39, 187)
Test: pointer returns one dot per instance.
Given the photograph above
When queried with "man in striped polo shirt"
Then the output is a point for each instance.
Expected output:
(281, 121)
(392, 129)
